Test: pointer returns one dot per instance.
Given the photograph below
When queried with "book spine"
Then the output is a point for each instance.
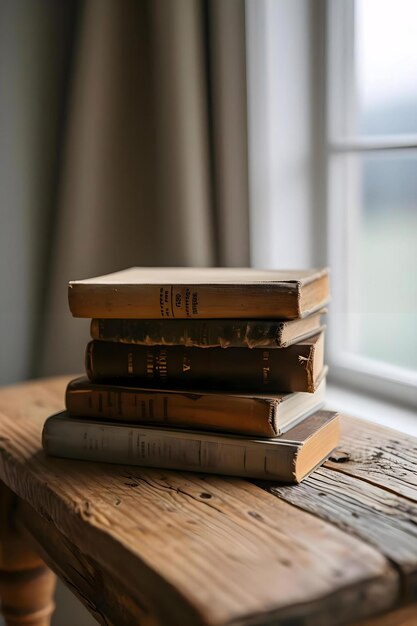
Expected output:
(260, 301)
(191, 333)
(263, 370)
(195, 452)
(241, 415)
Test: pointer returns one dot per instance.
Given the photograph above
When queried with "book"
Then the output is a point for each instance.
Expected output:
(168, 293)
(255, 415)
(296, 368)
(206, 333)
(288, 458)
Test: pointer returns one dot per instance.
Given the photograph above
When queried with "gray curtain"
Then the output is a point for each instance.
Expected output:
(126, 145)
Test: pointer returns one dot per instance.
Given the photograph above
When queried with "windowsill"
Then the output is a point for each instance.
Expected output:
(378, 411)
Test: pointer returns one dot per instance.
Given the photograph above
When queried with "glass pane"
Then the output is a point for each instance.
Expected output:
(383, 257)
(386, 66)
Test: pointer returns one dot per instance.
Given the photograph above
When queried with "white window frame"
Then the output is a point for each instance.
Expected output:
(277, 36)
(386, 380)
(323, 68)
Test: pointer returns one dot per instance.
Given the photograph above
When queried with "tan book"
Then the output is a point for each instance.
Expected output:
(245, 414)
(168, 293)
(288, 458)
(296, 368)
(208, 333)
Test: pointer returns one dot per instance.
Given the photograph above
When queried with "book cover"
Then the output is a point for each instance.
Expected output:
(256, 415)
(296, 368)
(288, 458)
(207, 333)
(169, 293)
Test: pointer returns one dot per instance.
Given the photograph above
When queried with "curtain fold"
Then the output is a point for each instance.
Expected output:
(227, 54)
(153, 169)
(182, 173)
(36, 45)
(106, 204)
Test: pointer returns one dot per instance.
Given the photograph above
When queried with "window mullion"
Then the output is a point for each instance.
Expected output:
(373, 144)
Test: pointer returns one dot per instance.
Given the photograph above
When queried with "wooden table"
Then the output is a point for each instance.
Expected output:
(148, 547)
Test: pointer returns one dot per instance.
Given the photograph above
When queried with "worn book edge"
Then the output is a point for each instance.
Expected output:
(278, 458)
(149, 336)
(185, 293)
(260, 415)
(159, 276)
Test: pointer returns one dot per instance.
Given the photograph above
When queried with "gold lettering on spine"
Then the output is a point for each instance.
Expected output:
(190, 302)
(265, 367)
(165, 301)
(195, 303)
(157, 364)
(162, 364)
(187, 302)
(186, 365)
(130, 363)
(149, 364)
(161, 301)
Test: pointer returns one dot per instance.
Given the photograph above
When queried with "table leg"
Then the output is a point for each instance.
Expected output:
(26, 584)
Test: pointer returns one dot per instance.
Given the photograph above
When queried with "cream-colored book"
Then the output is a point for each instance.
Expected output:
(288, 458)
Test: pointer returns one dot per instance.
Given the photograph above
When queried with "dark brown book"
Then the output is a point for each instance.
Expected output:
(168, 293)
(288, 458)
(255, 415)
(296, 368)
(204, 333)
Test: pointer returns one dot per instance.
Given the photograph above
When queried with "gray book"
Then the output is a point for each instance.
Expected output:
(288, 458)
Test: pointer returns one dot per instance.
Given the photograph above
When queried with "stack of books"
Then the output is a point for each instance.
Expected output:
(210, 370)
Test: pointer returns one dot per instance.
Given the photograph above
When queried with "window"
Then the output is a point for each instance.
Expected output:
(372, 193)
(332, 102)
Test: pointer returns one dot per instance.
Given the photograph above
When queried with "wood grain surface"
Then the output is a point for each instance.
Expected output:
(406, 616)
(378, 455)
(384, 517)
(152, 547)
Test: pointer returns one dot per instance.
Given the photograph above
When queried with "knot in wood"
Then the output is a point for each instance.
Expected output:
(339, 456)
